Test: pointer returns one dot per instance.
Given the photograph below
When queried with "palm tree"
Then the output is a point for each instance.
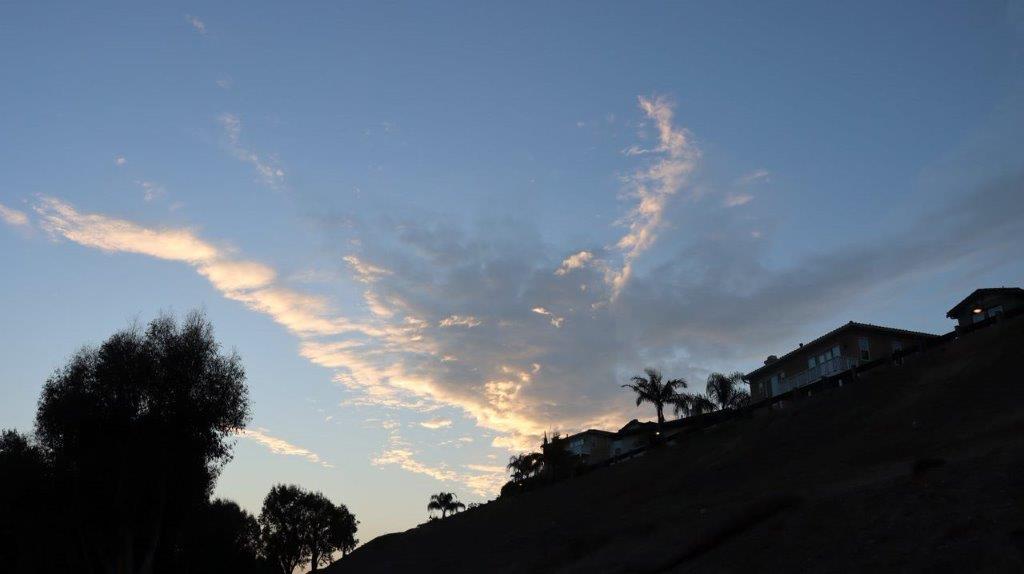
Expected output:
(726, 391)
(446, 502)
(693, 404)
(523, 466)
(653, 390)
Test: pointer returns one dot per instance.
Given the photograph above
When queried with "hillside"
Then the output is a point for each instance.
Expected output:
(915, 468)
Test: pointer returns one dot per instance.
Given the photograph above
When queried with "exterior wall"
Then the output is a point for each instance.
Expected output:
(591, 446)
(628, 442)
(880, 344)
(987, 303)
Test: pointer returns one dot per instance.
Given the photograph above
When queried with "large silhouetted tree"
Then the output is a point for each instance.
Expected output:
(137, 431)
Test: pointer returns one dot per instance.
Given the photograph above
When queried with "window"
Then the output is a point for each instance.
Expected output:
(978, 317)
(997, 310)
(812, 362)
(897, 346)
(865, 348)
(835, 351)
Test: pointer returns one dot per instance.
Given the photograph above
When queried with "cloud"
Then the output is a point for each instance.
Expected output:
(196, 23)
(483, 480)
(224, 83)
(574, 261)
(738, 199)
(151, 190)
(467, 321)
(714, 300)
(13, 216)
(281, 446)
(365, 272)
(754, 177)
(120, 160)
(109, 234)
(554, 319)
(652, 186)
(267, 168)
(436, 423)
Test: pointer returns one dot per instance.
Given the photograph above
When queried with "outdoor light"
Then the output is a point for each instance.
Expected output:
(977, 310)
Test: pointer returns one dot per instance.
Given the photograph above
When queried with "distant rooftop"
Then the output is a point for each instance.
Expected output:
(982, 293)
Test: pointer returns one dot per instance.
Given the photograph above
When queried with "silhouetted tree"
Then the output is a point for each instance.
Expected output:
(446, 502)
(328, 529)
(525, 466)
(653, 390)
(282, 521)
(137, 431)
(224, 538)
(726, 390)
(32, 534)
(298, 526)
(692, 404)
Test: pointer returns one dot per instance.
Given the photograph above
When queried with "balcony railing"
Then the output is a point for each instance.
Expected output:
(804, 378)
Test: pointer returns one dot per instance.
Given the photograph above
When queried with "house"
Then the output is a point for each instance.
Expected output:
(832, 353)
(985, 304)
(592, 446)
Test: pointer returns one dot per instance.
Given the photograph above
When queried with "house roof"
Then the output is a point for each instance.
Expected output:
(838, 331)
(1011, 291)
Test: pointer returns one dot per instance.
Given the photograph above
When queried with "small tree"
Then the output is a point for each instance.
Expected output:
(445, 502)
(653, 390)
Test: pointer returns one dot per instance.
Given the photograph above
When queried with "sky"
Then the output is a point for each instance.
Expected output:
(435, 231)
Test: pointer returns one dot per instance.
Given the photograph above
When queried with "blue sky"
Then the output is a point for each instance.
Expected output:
(433, 231)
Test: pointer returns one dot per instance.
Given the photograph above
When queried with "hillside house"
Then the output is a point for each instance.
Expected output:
(985, 304)
(832, 353)
(592, 446)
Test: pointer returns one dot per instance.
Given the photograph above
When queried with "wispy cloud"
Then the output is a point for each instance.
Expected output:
(197, 24)
(754, 177)
(467, 321)
(436, 423)
(738, 199)
(120, 160)
(652, 187)
(483, 480)
(13, 216)
(280, 446)
(270, 173)
(151, 190)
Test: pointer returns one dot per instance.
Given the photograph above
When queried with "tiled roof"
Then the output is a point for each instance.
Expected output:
(838, 330)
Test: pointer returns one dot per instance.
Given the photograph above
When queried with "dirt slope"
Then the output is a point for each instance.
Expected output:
(915, 468)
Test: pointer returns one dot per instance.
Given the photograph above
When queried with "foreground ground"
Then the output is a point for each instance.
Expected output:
(916, 468)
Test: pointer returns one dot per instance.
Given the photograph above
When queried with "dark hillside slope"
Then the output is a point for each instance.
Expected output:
(918, 467)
